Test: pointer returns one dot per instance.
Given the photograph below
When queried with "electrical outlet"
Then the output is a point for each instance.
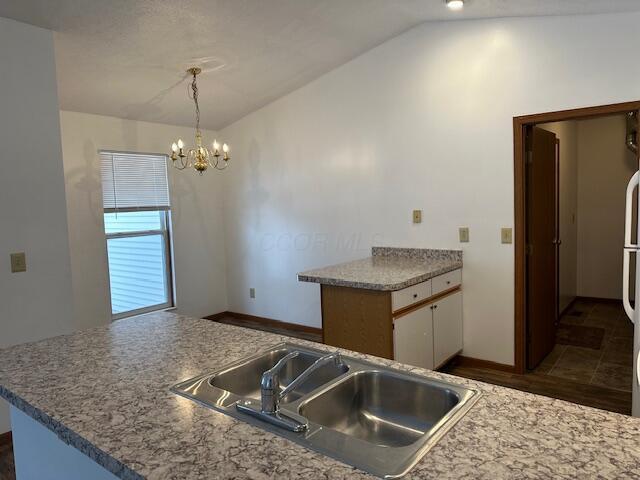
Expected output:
(252, 293)
(464, 234)
(417, 216)
(506, 235)
(18, 262)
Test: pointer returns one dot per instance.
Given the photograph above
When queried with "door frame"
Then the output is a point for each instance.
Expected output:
(519, 125)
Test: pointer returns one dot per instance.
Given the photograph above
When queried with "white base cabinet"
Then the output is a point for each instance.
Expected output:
(418, 325)
(413, 338)
(431, 334)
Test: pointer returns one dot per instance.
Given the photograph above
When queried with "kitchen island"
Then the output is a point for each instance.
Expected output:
(105, 393)
(404, 304)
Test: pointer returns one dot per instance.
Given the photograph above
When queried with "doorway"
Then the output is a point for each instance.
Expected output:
(580, 339)
(555, 320)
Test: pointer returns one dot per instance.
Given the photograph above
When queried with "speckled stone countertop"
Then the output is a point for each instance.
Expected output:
(105, 391)
(387, 268)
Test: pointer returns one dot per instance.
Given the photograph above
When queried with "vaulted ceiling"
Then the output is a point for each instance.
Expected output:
(127, 58)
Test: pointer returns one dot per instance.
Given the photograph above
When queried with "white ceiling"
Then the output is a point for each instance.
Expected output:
(126, 58)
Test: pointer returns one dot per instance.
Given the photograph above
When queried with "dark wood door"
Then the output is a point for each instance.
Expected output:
(542, 243)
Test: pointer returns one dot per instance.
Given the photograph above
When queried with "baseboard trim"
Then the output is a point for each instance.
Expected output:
(6, 438)
(267, 322)
(601, 300)
(471, 362)
(568, 307)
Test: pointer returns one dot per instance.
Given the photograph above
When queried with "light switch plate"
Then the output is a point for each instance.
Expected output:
(506, 235)
(464, 234)
(18, 262)
(252, 293)
(417, 216)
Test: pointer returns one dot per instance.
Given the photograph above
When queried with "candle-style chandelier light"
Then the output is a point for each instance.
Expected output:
(200, 158)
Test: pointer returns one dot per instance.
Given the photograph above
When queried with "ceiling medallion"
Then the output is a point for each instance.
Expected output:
(200, 158)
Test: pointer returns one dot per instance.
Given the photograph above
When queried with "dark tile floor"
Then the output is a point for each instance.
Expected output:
(607, 363)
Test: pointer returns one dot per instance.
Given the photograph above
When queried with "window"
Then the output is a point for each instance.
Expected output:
(137, 223)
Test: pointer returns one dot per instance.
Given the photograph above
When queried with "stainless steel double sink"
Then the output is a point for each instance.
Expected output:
(375, 418)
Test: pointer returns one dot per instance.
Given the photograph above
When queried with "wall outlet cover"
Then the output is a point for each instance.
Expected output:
(417, 216)
(506, 235)
(18, 262)
(252, 293)
(464, 234)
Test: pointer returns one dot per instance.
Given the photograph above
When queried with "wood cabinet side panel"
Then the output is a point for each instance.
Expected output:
(357, 319)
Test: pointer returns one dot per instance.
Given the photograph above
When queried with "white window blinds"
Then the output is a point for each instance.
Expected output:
(132, 181)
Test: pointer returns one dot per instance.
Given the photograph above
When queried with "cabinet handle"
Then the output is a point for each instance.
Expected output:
(415, 295)
(435, 306)
(448, 282)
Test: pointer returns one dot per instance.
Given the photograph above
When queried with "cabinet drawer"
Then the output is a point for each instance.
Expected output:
(410, 295)
(446, 281)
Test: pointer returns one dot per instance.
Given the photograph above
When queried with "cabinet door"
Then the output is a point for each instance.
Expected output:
(447, 328)
(413, 338)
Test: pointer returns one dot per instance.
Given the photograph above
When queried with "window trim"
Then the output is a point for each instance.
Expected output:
(167, 233)
(168, 258)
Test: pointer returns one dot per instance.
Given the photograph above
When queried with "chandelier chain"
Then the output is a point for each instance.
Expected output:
(200, 157)
(194, 89)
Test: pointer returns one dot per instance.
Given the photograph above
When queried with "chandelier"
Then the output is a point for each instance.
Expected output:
(200, 158)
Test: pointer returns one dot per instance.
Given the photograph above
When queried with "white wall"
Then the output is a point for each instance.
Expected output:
(37, 303)
(605, 167)
(567, 133)
(196, 214)
(422, 121)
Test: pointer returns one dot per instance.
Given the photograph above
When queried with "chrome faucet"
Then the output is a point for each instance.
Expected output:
(270, 393)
